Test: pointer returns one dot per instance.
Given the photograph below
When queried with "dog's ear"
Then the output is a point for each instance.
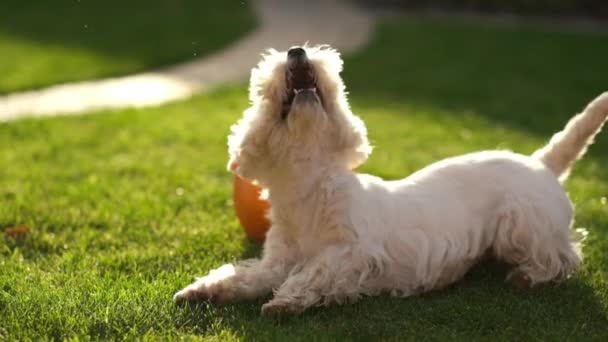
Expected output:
(350, 140)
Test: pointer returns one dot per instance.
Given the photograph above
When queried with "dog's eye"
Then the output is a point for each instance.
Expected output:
(285, 110)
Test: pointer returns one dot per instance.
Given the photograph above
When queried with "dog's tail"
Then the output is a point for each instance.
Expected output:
(571, 143)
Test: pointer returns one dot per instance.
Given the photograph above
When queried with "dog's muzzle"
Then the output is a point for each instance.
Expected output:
(300, 79)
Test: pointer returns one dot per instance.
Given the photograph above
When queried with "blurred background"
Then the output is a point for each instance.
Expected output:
(111, 209)
(564, 8)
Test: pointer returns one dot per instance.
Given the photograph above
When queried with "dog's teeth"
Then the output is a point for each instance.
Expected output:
(296, 91)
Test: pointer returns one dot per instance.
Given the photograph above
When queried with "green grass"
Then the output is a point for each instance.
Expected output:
(46, 42)
(111, 239)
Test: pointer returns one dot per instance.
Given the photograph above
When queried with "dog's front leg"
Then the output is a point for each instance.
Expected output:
(331, 276)
(246, 280)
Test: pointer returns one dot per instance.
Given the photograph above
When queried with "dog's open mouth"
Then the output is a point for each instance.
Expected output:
(300, 79)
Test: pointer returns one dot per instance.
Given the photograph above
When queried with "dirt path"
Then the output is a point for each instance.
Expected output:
(282, 23)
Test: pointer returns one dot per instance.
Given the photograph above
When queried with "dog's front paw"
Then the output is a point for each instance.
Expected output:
(191, 294)
(199, 291)
(215, 287)
(278, 307)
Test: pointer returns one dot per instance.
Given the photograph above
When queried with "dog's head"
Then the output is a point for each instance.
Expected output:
(299, 118)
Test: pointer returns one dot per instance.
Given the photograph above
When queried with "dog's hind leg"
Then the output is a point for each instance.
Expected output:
(331, 276)
(536, 241)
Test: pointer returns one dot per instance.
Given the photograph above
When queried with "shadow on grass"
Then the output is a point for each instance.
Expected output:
(526, 78)
(479, 306)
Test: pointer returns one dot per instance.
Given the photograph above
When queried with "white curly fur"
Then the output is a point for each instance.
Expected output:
(337, 235)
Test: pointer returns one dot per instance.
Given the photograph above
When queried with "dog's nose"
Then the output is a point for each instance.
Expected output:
(296, 52)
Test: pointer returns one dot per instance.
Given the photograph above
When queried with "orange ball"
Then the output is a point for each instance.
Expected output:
(251, 209)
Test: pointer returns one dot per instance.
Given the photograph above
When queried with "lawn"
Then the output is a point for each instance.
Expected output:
(126, 207)
(47, 42)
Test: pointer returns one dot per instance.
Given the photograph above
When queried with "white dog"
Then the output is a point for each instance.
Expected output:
(337, 235)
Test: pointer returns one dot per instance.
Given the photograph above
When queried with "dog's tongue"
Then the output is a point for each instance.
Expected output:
(300, 76)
